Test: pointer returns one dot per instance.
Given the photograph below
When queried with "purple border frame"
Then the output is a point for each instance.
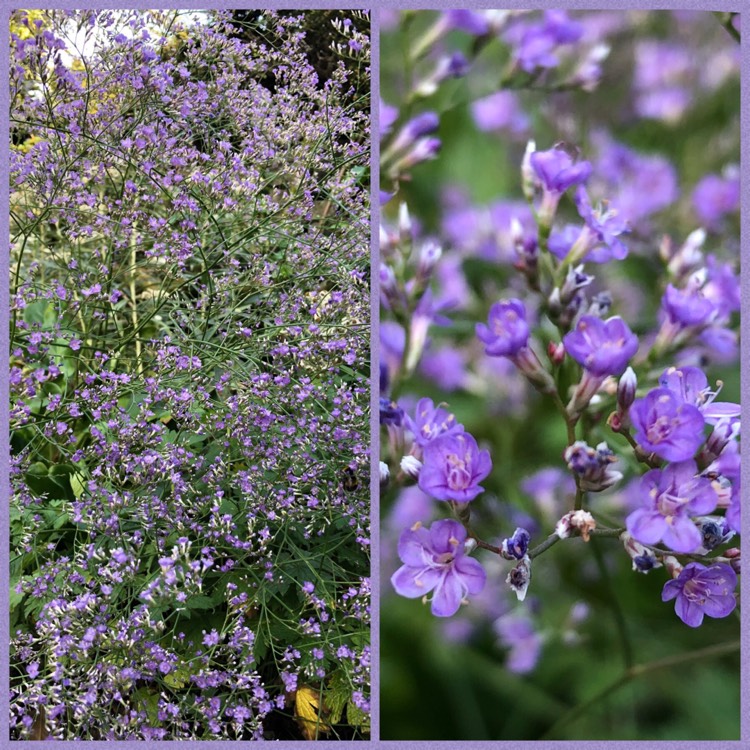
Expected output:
(736, 5)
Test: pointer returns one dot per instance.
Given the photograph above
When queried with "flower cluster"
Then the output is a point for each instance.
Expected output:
(189, 399)
(538, 250)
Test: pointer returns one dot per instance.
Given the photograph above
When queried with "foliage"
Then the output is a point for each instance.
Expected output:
(189, 367)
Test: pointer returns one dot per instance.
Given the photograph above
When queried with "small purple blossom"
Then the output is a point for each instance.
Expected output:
(537, 44)
(434, 560)
(431, 422)
(687, 307)
(601, 347)
(499, 111)
(670, 497)
(691, 385)
(701, 590)
(557, 170)
(666, 425)
(516, 546)
(452, 468)
(517, 633)
(507, 331)
(714, 197)
(604, 226)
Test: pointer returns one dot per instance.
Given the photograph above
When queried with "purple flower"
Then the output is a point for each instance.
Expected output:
(722, 288)
(691, 385)
(516, 546)
(558, 170)
(601, 347)
(702, 591)
(517, 633)
(434, 560)
(604, 226)
(536, 44)
(687, 307)
(507, 331)
(470, 21)
(431, 422)
(445, 367)
(417, 127)
(670, 496)
(638, 185)
(390, 412)
(714, 197)
(452, 468)
(666, 425)
(499, 111)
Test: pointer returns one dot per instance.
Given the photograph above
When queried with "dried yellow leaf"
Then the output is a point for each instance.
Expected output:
(307, 713)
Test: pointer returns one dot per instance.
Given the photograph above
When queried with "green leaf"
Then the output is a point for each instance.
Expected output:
(177, 679)
(357, 718)
(149, 702)
(202, 602)
(337, 696)
(77, 485)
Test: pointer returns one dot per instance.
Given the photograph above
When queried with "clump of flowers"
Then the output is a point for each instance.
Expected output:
(587, 275)
(188, 366)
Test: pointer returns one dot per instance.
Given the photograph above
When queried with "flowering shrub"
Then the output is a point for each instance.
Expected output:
(560, 310)
(189, 378)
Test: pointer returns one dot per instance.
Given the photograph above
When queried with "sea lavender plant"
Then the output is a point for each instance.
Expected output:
(189, 377)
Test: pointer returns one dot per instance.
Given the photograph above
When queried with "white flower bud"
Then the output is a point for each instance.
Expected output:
(411, 466)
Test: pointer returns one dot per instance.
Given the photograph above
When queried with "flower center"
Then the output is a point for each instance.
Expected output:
(669, 505)
(459, 478)
(695, 591)
(660, 429)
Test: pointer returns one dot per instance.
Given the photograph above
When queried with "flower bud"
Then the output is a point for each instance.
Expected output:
(405, 228)
(449, 66)
(470, 545)
(600, 304)
(411, 466)
(423, 150)
(422, 125)
(556, 352)
(589, 71)
(593, 466)
(714, 530)
(626, 388)
(575, 279)
(388, 285)
(643, 558)
(516, 546)
(529, 179)
(390, 413)
(520, 577)
(429, 255)
(528, 363)
(577, 520)
(689, 256)
(673, 566)
(385, 474)
(723, 433)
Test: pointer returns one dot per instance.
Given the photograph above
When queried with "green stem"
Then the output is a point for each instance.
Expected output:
(617, 613)
(636, 671)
